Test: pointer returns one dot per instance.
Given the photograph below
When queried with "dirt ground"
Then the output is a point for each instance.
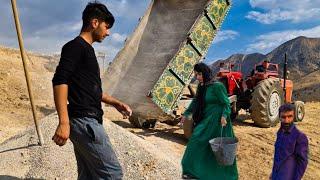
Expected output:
(256, 145)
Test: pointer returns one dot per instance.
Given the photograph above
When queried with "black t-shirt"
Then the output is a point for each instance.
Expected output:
(79, 69)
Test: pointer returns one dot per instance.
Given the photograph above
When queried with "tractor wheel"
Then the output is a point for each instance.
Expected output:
(153, 123)
(267, 97)
(299, 111)
(233, 116)
(234, 111)
(136, 121)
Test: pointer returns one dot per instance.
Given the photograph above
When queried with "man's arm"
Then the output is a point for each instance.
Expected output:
(123, 108)
(70, 57)
(60, 93)
(106, 98)
(301, 155)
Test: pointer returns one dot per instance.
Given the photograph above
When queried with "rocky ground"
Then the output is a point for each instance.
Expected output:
(21, 157)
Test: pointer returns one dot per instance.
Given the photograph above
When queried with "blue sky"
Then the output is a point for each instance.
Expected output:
(251, 25)
(262, 25)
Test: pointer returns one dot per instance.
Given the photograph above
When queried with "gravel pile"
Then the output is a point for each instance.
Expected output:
(21, 157)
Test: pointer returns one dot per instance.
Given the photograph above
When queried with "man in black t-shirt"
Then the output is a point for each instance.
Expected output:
(77, 80)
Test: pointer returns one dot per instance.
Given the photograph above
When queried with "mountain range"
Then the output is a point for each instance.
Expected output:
(303, 55)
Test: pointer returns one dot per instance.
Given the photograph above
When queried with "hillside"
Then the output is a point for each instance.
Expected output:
(307, 88)
(15, 106)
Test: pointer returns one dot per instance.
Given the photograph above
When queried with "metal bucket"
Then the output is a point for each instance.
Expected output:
(224, 149)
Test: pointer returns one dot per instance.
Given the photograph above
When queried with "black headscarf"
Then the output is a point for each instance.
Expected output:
(199, 106)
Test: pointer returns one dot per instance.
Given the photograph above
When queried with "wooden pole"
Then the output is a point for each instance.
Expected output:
(103, 64)
(285, 77)
(23, 55)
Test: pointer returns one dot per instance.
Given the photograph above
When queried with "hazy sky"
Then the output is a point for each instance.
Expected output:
(251, 25)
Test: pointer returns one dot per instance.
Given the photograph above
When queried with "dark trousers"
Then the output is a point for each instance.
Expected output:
(93, 150)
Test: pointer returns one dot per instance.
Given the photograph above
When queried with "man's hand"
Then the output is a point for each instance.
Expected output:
(62, 134)
(124, 109)
(223, 121)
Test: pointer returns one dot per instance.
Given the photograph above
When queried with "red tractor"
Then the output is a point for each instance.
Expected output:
(261, 93)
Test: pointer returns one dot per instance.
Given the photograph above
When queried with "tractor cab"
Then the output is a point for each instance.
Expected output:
(262, 71)
(265, 69)
(230, 75)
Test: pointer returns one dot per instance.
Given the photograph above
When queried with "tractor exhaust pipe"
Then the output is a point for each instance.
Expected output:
(285, 77)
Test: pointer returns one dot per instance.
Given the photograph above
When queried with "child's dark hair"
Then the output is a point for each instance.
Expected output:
(96, 10)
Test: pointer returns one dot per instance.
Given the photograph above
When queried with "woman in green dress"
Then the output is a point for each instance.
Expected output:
(210, 111)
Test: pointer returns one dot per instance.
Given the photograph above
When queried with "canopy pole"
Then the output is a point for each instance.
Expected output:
(23, 55)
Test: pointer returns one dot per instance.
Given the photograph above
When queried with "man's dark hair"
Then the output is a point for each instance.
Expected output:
(96, 10)
(286, 108)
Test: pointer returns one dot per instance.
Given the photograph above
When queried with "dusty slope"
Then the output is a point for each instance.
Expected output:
(15, 113)
(308, 87)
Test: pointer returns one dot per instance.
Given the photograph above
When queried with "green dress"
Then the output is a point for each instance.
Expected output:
(198, 159)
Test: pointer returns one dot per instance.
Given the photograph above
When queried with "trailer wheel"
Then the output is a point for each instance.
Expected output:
(138, 122)
(173, 122)
(233, 116)
(299, 111)
(142, 123)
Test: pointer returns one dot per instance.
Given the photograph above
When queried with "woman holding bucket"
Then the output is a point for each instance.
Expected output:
(210, 111)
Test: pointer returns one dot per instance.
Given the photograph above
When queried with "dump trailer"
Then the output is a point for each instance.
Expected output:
(156, 63)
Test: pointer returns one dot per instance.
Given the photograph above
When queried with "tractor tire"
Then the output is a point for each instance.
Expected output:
(266, 99)
(233, 116)
(299, 111)
(234, 111)
(136, 121)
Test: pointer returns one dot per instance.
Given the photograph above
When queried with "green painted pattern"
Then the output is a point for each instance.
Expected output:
(166, 91)
(182, 64)
(202, 35)
(217, 10)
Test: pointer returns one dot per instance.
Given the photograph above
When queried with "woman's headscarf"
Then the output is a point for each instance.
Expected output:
(199, 106)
